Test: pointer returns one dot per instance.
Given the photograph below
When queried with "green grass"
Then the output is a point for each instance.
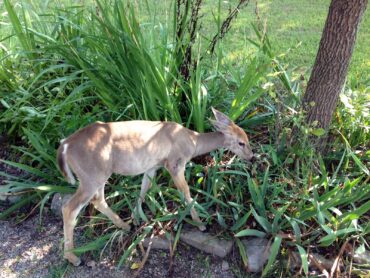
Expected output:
(65, 68)
(295, 28)
(289, 23)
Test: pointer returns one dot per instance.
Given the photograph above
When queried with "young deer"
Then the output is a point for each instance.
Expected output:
(132, 148)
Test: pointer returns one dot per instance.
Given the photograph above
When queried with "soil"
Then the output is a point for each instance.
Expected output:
(32, 250)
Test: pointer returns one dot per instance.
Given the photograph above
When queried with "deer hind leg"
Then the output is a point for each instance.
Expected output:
(145, 185)
(101, 205)
(70, 212)
(177, 170)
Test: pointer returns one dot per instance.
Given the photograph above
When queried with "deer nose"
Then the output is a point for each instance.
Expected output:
(250, 156)
(253, 158)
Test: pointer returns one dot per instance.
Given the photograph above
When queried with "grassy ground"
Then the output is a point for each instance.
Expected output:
(294, 28)
(73, 66)
(291, 23)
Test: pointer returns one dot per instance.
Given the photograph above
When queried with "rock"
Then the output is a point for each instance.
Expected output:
(158, 242)
(207, 243)
(9, 198)
(225, 266)
(57, 203)
(324, 262)
(91, 264)
(362, 257)
(258, 252)
(313, 259)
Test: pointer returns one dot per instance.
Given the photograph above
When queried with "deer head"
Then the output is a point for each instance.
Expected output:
(236, 140)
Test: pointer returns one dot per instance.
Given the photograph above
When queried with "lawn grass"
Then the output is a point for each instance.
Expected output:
(291, 22)
(294, 28)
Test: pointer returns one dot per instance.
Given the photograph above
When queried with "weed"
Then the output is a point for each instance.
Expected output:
(63, 70)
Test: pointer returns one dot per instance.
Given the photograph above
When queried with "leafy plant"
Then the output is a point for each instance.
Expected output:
(66, 69)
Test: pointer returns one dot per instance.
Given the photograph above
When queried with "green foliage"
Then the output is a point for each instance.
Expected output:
(80, 64)
(352, 118)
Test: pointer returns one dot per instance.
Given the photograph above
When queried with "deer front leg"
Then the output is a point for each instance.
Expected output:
(177, 170)
(145, 185)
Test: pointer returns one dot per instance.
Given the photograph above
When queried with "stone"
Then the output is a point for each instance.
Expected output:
(207, 243)
(158, 242)
(258, 252)
(57, 203)
(91, 264)
(225, 266)
(9, 198)
(327, 263)
(362, 257)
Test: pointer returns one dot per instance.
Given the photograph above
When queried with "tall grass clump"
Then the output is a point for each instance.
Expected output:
(69, 65)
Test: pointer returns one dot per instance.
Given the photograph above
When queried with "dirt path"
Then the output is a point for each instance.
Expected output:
(29, 250)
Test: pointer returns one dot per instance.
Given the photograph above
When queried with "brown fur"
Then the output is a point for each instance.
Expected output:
(131, 148)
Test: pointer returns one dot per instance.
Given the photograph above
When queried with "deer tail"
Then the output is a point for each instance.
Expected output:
(63, 164)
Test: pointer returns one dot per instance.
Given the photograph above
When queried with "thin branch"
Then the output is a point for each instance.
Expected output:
(226, 25)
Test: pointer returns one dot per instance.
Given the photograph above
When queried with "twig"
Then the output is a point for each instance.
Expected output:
(226, 25)
(29, 214)
(142, 263)
(335, 267)
(318, 265)
(287, 236)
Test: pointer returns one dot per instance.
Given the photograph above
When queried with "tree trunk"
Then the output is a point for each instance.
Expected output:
(332, 60)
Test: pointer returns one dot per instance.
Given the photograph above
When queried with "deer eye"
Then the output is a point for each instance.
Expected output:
(242, 144)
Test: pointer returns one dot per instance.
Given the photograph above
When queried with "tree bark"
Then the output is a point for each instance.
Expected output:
(333, 57)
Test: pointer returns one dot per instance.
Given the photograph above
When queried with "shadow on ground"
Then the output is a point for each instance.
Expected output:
(30, 250)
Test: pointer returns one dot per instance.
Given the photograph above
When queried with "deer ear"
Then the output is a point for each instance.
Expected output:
(222, 122)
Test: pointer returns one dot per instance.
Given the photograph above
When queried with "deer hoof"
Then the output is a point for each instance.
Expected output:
(72, 258)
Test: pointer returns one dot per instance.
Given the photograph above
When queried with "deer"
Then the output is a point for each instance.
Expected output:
(130, 148)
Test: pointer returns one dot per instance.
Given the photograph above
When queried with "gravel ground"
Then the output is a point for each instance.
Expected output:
(30, 250)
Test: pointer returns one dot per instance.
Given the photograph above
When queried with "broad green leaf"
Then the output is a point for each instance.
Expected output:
(330, 238)
(242, 252)
(251, 232)
(129, 250)
(274, 252)
(240, 222)
(262, 221)
(318, 132)
(355, 214)
(304, 257)
(94, 245)
(26, 168)
(24, 201)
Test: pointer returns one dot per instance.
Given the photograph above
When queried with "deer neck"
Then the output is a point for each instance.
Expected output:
(207, 142)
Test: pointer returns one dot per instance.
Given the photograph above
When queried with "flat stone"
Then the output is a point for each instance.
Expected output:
(258, 252)
(207, 243)
(158, 242)
(57, 203)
